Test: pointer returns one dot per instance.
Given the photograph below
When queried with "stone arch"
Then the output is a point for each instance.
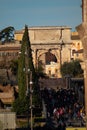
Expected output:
(51, 67)
(49, 57)
(54, 53)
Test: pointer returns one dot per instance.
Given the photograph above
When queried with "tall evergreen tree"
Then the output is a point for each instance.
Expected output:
(25, 64)
(25, 67)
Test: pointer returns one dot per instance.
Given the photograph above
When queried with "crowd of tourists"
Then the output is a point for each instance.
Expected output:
(64, 106)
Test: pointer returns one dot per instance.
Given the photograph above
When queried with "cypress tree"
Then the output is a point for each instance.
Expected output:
(25, 64)
(25, 67)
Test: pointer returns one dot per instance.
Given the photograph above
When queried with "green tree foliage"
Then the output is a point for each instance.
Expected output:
(14, 66)
(40, 71)
(72, 68)
(25, 67)
(7, 34)
(20, 106)
(25, 63)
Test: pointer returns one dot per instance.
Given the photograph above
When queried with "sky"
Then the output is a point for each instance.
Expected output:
(18, 13)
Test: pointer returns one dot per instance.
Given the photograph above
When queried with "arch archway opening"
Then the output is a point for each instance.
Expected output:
(50, 64)
(49, 57)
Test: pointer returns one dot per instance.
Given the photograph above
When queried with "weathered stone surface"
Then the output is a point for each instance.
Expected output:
(84, 10)
(46, 35)
(82, 30)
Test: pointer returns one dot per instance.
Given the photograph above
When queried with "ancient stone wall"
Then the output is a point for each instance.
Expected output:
(82, 30)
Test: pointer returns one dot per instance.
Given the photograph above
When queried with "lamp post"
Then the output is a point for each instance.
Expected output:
(29, 86)
(27, 90)
(31, 105)
(27, 73)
